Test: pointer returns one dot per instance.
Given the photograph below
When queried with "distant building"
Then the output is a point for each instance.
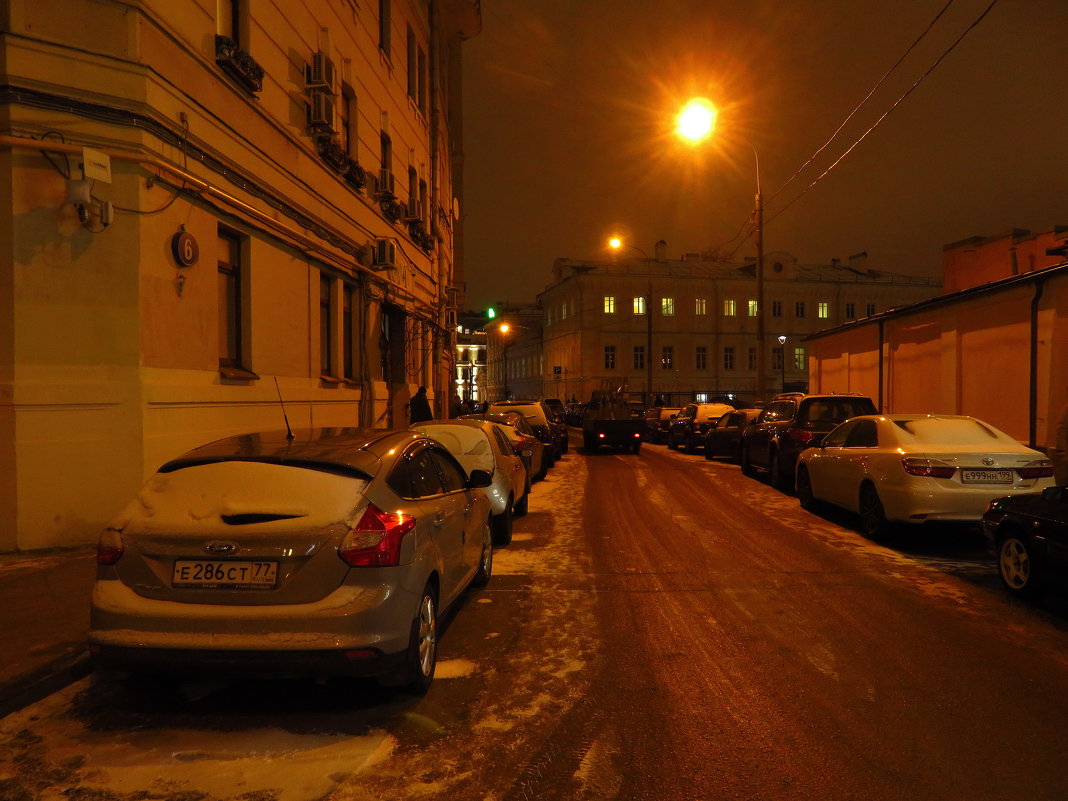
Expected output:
(690, 323)
(470, 378)
(996, 348)
(210, 208)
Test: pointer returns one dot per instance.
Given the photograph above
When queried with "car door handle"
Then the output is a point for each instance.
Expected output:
(439, 519)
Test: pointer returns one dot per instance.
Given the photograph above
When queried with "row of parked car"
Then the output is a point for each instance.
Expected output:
(323, 552)
(891, 469)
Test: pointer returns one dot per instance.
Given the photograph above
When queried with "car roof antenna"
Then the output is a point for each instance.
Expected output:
(289, 431)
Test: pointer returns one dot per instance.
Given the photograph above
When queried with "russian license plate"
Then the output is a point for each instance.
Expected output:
(973, 476)
(206, 573)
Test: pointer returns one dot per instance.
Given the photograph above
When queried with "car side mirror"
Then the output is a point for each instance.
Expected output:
(528, 453)
(478, 479)
(1053, 494)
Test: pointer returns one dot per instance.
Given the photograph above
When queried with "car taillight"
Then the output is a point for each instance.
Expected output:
(376, 540)
(109, 548)
(928, 467)
(1039, 469)
(800, 435)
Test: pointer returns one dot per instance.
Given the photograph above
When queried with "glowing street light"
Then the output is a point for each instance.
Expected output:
(696, 122)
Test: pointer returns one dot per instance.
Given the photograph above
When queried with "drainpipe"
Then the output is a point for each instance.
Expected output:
(1032, 400)
(882, 346)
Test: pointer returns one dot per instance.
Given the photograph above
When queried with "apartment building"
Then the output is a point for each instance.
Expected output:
(213, 210)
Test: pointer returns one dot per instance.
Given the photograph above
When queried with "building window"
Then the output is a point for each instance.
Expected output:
(776, 308)
(667, 307)
(563, 310)
(776, 358)
(413, 78)
(701, 358)
(349, 134)
(385, 13)
(228, 21)
(639, 305)
(799, 358)
(387, 151)
(230, 290)
(326, 327)
(639, 357)
(753, 308)
(609, 357)
(869, 310)
(609, 304)
(422, 81)
(850, 311)
(667, 357)
(701, 397)
(700, 306)
(728, 358)
(799, 309)
(348, 365)
(823, 309)
(751, 358)
(728, 308)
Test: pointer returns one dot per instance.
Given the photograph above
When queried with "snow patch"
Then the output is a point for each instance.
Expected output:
(455, 669)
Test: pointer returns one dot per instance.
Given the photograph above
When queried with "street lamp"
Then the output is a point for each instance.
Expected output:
(503, 329)
(695, 123)
(616, 243)
(782, 359)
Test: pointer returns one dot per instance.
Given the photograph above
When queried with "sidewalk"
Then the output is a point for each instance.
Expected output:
(44, 622)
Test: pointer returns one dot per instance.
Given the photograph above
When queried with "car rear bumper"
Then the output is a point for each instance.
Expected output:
(954, 504)
(128, 628)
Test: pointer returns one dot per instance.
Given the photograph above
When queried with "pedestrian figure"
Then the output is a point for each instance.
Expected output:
(419, 407)
(1059, 452)
(456, 407)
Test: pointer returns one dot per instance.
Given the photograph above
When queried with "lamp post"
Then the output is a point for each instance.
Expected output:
(616, 243)
(503, 330)
(782, 360)
(696, 122)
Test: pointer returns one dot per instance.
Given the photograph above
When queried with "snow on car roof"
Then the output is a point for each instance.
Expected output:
(354, 451)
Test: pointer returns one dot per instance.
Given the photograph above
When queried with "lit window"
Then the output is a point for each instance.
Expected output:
(667, 357)
(701, 397)
(667, 306)
(563, 310)
(609, 357)
(823, 309)
(700, 306)
(728, 308)
(609, 304)
(799, 358)
(753, 308)
(639, 305)
(728, 358)
(701, 358)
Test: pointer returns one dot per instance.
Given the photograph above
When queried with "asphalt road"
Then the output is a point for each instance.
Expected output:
(660, 628)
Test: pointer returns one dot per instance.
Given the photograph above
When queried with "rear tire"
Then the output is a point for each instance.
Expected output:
(522, 505)
(1018, 568)
(688, 445)
(502, 524)
(672, 445)
(485, 560)
(804, 490)
(708, 451)
(421, 658)
(776, 476)
(747, 466)
(873, 522)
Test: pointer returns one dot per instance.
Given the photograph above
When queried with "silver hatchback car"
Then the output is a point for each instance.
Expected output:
(331, 553)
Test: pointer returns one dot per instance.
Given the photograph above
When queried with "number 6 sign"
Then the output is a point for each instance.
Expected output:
(185, 249)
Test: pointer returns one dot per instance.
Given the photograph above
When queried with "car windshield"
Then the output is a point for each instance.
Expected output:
(952, 431)
(834, 410)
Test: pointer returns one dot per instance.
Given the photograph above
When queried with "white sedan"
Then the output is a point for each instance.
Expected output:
(482, 445)
(912, 468)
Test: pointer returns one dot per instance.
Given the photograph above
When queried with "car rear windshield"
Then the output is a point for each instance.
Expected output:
(834, 410)
(942, 431)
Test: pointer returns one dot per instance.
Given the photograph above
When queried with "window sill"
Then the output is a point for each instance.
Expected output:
(330, 380)
(238, 373)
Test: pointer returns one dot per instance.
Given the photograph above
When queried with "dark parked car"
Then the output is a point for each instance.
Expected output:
(790, 423)
(1028, 535)
(657, 420)
(542, 420)
(690, 424)
(724, 439)
(524, 441)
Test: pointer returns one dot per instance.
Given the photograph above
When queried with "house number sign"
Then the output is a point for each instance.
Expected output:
(185, 248)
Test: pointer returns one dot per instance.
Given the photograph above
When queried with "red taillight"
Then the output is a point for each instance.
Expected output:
(928, 467)
(601, 435)
(376, 540)
(637, 435)
(1040, 469)
(109, 548)
(800, 435)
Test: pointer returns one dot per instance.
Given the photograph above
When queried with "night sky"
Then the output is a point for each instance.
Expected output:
(569, 115)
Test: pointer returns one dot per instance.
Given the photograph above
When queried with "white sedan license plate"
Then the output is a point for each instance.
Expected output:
(986, 476)
(207, 573)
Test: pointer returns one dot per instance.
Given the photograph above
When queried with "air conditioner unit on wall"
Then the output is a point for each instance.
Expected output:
(413, 210)
(387, 186)
(385, 253)
(320, 112)
(319, 74)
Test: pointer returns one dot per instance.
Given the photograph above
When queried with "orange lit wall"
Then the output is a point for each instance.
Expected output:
(977, 261)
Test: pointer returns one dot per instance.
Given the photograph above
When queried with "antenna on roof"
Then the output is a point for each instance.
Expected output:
(289, 431)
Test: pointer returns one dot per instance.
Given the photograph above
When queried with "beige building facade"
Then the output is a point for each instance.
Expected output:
(691, 325)
(208, 206)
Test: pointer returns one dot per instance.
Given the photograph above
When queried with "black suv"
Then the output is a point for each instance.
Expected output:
(688, 428)
(790, 423)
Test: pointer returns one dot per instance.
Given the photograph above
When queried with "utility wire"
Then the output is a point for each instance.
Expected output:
(882, 117)
(867, 97)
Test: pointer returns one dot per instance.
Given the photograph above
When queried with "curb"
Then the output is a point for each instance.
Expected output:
(50, 678)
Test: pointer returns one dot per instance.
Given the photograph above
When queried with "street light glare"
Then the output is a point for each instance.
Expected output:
(696, 120)
(615, 243)
(505, 328)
